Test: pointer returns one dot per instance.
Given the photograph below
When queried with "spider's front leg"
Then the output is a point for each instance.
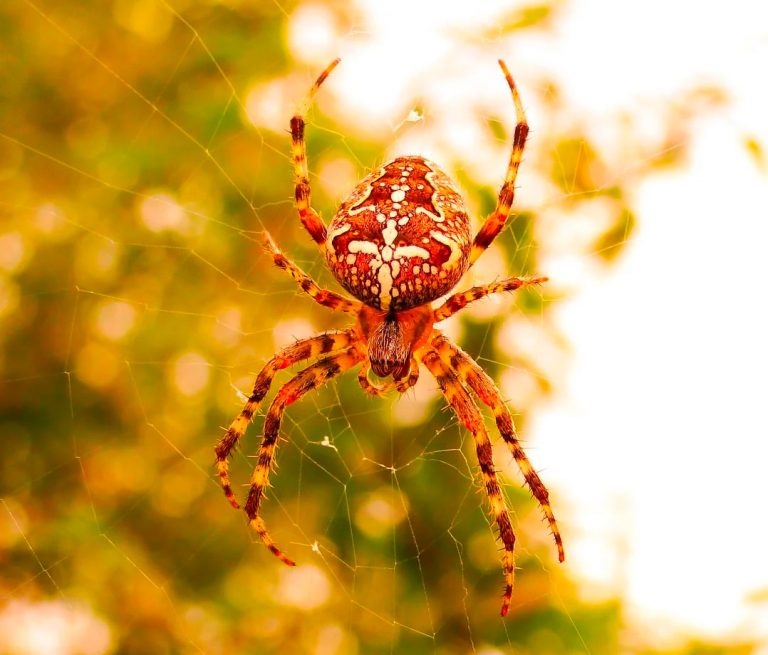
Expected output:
(478, 380)
(468, 413)
(297, 352)
(310, 378)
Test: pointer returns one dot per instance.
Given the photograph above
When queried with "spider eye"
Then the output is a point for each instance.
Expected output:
(387, 350)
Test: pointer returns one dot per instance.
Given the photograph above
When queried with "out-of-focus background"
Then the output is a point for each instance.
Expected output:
(144, 151)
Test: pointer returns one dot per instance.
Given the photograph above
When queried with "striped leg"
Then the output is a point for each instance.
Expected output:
(470, 372)
(309, 217)
(310, 378)
(495, 222)
(459, 301)
(470, 416)
(297, 352)
(321, 296)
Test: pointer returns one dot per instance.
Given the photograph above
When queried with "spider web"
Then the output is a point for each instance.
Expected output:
(148, 307)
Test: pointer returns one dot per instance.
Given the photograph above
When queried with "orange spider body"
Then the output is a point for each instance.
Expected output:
(402, 237)
(399, 241)
(392, 339)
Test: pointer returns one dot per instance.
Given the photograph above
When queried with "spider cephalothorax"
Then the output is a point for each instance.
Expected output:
(398, 242)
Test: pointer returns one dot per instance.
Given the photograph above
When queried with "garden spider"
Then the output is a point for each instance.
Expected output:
(398, 242)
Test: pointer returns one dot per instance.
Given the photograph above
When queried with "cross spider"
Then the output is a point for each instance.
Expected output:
(399, 241)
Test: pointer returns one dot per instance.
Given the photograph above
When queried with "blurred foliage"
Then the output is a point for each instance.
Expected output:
(134, 298)
(519, 18)
(756, 150)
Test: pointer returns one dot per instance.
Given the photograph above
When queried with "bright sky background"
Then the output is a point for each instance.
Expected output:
(656, 443)
(667, 381)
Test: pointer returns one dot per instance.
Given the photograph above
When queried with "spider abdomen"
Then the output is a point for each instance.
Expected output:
(401, 239)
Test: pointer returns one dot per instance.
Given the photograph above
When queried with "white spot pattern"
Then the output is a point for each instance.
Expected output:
(435, 217)
(342, 229)
(389, 233)
(386, 262)
(456, 251)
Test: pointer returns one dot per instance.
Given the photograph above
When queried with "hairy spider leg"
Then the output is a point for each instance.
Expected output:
(321, 296)
(495, 222)
(310, 348)
(459, 301)
(469, 414)
(470, 372)
(308, 379)
(309, 217)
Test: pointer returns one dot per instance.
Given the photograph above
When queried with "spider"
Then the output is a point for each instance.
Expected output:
(398, 242)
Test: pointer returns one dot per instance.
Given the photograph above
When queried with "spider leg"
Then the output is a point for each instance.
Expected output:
(459, 301)
(321, 296)
(469, 414)
(495, 222)
(297, 352)
(470, 372)
(308, 379)
(309, 217)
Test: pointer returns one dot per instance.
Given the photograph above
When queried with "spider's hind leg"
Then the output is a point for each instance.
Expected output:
(309, 217)
(496, 221)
